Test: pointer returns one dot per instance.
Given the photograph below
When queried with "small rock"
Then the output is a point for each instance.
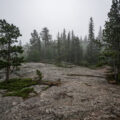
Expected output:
(32, 94)
(14, 103)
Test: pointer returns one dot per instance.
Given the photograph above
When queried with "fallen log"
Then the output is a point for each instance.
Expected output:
(51, 83)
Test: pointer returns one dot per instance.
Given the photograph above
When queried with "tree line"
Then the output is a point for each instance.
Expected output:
(66, 48)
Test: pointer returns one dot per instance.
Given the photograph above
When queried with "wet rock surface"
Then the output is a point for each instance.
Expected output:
(77, 98)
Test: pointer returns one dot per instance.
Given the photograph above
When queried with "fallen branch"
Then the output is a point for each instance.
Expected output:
(51, 83)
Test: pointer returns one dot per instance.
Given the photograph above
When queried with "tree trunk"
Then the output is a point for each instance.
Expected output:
(8, 63)
(7, 73)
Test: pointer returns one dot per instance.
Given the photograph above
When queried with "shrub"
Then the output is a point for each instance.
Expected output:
(39, 74)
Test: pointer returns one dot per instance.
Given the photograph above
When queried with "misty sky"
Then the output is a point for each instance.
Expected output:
(54, 14)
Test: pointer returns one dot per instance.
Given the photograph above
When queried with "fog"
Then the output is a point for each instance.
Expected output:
(54, 14)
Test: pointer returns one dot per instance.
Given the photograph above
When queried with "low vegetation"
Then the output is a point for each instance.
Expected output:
(24, 93)
(21, 87)
(18, 87)
(39, 75)
(10, 56)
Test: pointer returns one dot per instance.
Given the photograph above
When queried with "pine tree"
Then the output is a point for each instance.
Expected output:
(64, 45)
(91, 53)
(99, 46)
(46, 38)
(34, 53)
(72, 47)
(77, 51)
(84, 45)
(59, 57)
(112, 38)
(9, 52)
(68, 47)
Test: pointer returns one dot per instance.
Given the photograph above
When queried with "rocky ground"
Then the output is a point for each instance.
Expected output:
(83, 95)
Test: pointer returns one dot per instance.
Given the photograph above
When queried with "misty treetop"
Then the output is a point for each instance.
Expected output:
(93, 49)
(67, 47)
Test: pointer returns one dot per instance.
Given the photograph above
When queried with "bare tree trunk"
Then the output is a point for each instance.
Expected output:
(7, 73)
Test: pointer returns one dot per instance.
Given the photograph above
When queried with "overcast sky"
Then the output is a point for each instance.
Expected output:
(54, 14)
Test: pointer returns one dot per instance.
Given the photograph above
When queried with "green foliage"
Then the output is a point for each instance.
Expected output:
(24, 93)
(100, 64)
(18, 86)
(10, 55)
(84, 63)
(112, 38)
(67, 48)
(39, 74)
(46, 37)
(93, 50)
(34, 50)
(17, 83)
(33, 55)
